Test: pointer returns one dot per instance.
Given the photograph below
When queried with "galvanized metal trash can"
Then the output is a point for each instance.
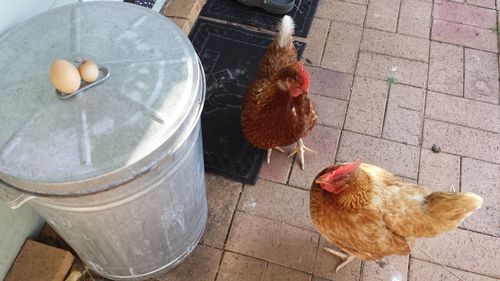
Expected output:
(118, 169)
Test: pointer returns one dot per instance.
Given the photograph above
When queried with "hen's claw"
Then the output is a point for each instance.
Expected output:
(346, 257)
(270, 150)
(382, 263)
(299, 149)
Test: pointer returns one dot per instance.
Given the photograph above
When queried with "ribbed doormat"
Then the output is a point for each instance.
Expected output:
(145, 3)
(230, 56)
(232, 11)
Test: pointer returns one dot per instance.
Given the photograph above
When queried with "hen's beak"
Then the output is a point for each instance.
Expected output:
(319, 181)
(326, 178)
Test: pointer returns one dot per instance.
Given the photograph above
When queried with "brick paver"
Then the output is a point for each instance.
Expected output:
(439, 171)
(277, 272)
(446, 69)
(316, 42)
(367, 106)
(481, 76)
(463, 141)
(182, 24)
(342, 11)
(382, 14)
(273, 241)
(326, 263)
(460, 249)
(362, 2)
(260, 200)
(483, 178)
(415, 18)
(405, 114)
(342, 47)
(422, 270)
(278, 168)
(396, 270)
(397, 45)
(383, 67)
(483, 3)
(201, 265)
(330, 83)
(396, 157)
(441, 59)
(330, 111)
(465, 14)
(40, 261)
(186, 9)
(238, 267)
(464, 35)
(462, 111)
(222, 196)
(316, 278)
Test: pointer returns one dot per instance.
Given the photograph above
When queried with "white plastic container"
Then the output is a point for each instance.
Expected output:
(118, 169)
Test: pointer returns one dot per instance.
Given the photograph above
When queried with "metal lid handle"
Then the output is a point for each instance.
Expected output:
(19, 201)
(13, 199)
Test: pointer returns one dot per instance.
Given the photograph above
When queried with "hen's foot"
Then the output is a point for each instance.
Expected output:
(347, 258)
(300, 148)
(271, 150)
(382, 263)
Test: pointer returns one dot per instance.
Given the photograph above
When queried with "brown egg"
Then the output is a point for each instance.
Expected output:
(89, 71)
(65, 76)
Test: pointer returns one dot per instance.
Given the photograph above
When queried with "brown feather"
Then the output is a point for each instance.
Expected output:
(275, 59)
(379, 214)
(270, 116)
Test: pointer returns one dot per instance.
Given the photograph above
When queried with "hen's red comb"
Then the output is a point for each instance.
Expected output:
(343, 170)
(347, 168)
(303, 73)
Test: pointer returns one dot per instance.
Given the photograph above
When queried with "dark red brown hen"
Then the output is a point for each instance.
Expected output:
(277, 110)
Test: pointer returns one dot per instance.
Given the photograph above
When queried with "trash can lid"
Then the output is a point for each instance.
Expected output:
(48, 144)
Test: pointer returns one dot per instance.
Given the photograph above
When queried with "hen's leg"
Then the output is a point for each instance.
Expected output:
(337, 253)
(271, 150)
(300, 148)
(347, 258)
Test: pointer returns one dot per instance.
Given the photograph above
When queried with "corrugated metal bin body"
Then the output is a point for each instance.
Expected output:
(118, 169)
(153, 227)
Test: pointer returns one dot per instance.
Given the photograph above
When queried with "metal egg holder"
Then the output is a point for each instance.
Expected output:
(103, 74)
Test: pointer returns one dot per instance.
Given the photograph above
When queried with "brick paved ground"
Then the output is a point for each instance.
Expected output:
(444, 57)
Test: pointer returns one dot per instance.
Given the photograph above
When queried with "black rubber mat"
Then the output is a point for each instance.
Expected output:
(232, 11)
(230, 56)
(145, 3)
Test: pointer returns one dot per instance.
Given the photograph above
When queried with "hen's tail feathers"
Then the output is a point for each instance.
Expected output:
(452, 208)
(285, 31)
